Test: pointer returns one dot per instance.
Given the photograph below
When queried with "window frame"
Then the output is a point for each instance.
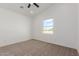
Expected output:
(48, 31)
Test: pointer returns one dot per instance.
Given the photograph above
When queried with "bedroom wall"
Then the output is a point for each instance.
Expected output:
(14, 27)
(65, 19)
(77, 44)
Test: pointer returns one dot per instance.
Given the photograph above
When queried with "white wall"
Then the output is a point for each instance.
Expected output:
(14, 27)
(65, 16)
(77, 44)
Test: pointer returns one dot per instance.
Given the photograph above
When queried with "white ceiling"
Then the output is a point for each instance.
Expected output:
(26, 11)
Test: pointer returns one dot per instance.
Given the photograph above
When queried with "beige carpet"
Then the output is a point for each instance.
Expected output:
(36, 48)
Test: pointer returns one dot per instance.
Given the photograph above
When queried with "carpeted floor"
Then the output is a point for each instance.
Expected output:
(36, 48)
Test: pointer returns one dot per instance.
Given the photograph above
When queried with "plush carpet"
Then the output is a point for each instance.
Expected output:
(36, 48)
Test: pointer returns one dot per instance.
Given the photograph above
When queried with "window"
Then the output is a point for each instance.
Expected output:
(48, 26)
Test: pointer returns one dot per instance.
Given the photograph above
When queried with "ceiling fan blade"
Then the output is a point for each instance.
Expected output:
(36, 4)
(29, 5)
